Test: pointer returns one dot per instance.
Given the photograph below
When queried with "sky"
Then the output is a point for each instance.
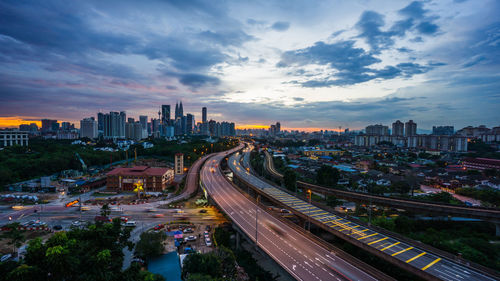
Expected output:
(307, 64)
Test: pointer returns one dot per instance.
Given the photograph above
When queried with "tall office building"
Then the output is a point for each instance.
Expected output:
(410, 128)
(204, 115)
(143, 119)
(179, 111)
(189, 123)
(165, 113)
(398, 128)
(88, 128)
(100, 121)
(278, 127)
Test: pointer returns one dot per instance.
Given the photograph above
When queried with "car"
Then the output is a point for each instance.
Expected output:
(203, 211)
(208, 242)
(188, 230)
(158, 227)
(76, 223)
(57, 227)
(129, 223)
(208, 228)
(191, 238)
(85, 209)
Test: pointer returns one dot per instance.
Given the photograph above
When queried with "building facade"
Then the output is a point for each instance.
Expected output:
(153, 179)
(10, 138)
(88, 128)
(179, 163)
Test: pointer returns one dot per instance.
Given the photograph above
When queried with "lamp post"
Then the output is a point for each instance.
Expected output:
(309, 212)
(256, 221)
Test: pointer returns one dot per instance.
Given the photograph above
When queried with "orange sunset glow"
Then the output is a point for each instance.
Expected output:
(253, 126)
(15, 121)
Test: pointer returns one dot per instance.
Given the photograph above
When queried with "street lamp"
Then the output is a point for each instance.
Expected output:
(309, 212)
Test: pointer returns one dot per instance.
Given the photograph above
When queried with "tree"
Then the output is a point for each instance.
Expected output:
(290, 180)
(15, 235)
(327, 175)
(150, 245)
(206, 264)
(105, 211)
(92, 253)
(401, 187)
(332, 201)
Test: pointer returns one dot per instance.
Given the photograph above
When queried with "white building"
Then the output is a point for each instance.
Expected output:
(88, 128)
(10, 138)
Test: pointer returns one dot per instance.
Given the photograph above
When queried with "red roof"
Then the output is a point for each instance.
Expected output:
(139, 171)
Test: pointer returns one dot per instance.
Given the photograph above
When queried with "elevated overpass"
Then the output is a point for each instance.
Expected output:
(409, 255)
(486, 214)
(300, 256)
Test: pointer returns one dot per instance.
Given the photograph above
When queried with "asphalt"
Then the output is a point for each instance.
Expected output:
(298, 255)
(440, 267)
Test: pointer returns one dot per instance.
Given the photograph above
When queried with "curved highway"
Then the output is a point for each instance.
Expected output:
(301, 257)
(432, 264)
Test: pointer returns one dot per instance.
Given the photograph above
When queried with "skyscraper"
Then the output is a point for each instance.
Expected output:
(88, 128)
(204, 115)
(114, 125)
(100, 121)
(176, 111)
(398, 128)
(410, 128)
(181, 110)
(47, 125)
(165, 113)
(189, 123)
(278, 127)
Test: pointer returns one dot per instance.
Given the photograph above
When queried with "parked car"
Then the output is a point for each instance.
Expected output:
(208, 242)
(188, 230)
(129, 224)
(57, 227)
(191, 238)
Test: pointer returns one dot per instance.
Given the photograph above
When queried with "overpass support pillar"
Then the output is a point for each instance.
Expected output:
(497, 228)
(238, 238)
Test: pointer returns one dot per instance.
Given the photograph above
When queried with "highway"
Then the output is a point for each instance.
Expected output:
(487, 214)
(437, 266)
(298, 255)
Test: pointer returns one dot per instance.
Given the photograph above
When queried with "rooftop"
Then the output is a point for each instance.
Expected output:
(139, 171)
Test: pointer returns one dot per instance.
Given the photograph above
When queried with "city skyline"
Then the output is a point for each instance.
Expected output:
(310, 66)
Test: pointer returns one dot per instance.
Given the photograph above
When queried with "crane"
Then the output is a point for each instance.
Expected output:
(84, 167)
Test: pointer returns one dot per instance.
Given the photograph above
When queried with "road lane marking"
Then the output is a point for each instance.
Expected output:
(402, 251)
(381, 239)
(431, 264)
(368, 236)
(390, 246)
(416, 257)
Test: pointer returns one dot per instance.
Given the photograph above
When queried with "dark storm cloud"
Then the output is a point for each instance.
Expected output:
(350, 65)
(415, 18)
(281, 26)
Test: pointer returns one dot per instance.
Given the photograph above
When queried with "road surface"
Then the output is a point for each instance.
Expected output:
(301, 257)
(440, 267)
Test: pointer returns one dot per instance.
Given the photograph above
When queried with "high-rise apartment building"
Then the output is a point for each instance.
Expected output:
(377, 130)
(278, 127)
(114, 125)
(398, 129)
(410, 128)
(204, 115)
(443, 130)
(88, 128)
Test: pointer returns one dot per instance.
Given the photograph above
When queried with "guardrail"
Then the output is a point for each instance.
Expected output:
(488, 214)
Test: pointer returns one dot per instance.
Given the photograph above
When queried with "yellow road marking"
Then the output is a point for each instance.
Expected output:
(397, 253)
(416, 257)
(368, 236)
(431, 264)
(381, 239)
(390, 246)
